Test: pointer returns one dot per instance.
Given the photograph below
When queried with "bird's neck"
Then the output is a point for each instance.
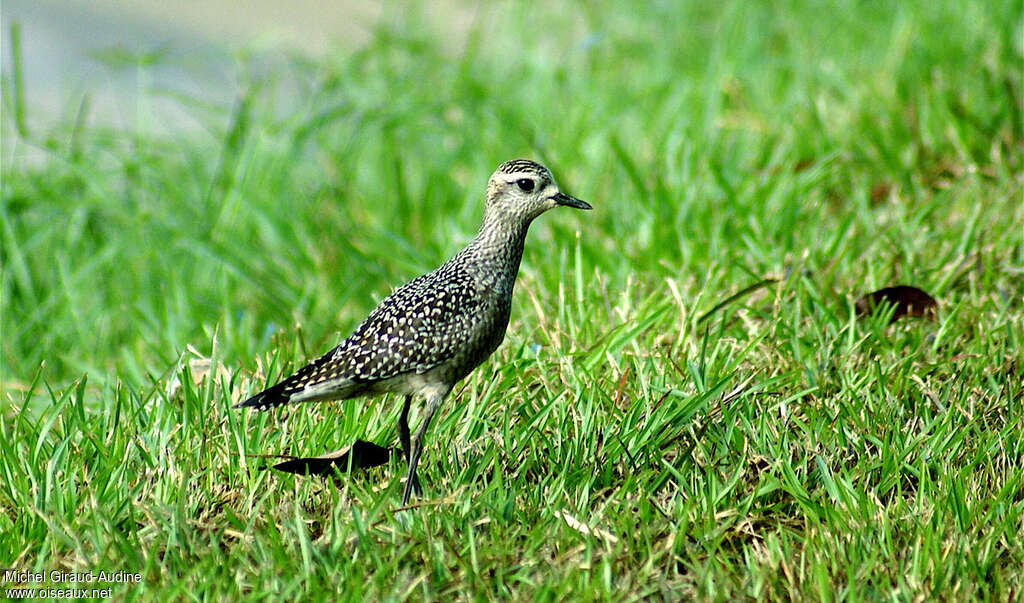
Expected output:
(498, 247)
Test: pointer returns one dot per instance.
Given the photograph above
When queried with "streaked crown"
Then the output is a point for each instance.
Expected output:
(523, 166)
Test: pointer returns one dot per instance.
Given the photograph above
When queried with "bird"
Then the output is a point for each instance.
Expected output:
(430, 333)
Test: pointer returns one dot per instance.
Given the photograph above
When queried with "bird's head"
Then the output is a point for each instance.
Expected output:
(525, 189)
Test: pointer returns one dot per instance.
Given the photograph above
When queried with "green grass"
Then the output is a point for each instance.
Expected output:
(775, 446)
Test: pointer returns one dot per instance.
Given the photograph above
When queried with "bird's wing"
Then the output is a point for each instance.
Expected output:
(419, 326)
(416, 328)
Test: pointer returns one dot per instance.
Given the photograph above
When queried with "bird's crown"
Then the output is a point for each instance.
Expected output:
(523, 166)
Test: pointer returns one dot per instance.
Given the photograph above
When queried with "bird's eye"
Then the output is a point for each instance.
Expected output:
(525, 184)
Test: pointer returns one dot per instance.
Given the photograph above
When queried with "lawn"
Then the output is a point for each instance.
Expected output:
(686, 404)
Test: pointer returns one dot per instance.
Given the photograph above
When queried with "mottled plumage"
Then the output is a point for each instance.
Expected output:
(433, 331)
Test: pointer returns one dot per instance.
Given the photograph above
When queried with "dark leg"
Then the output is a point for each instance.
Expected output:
(403, 428)
(403, 438)
(411, 480)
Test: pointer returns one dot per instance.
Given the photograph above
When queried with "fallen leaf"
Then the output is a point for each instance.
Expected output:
(200, 368)
(802, 165)
(583, 528)
(880, 191)
(908, 301)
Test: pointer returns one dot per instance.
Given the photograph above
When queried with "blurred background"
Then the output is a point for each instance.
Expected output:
(131, 58)
(196, 167)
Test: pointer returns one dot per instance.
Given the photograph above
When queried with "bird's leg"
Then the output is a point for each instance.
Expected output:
(403, 428)
(403, 438)
(411, 480)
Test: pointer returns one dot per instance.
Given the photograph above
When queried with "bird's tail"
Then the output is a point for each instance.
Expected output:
(302, 386)
(272, 397)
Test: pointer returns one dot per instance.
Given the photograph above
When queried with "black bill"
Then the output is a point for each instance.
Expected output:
(563, 199)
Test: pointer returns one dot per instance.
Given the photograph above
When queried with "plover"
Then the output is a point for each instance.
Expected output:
(432, 332)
